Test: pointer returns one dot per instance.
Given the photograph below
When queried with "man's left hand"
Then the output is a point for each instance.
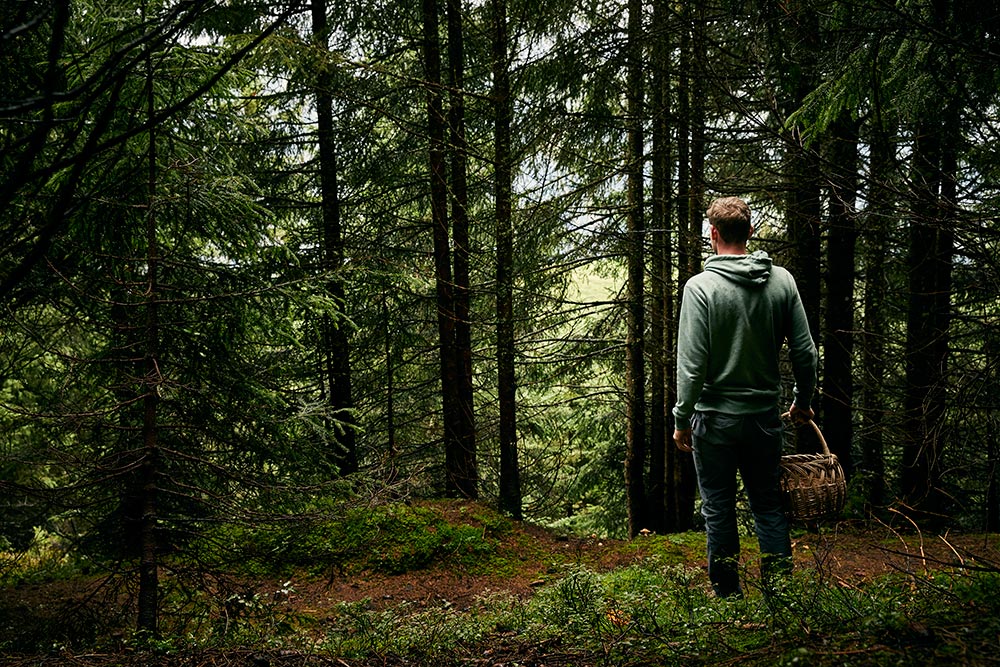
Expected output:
(683, 440)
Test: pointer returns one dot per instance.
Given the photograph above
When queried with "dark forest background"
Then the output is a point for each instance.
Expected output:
(267, 260)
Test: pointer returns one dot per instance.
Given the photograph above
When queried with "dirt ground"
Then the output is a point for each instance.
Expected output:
(845, 554)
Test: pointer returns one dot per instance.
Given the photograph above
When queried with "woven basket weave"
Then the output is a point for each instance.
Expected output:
(813, 484)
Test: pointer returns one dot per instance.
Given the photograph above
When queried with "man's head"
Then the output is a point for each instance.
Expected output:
(730, 216)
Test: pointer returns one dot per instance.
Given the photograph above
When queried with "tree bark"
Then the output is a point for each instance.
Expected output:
(681, 474)
(510, 475)
(838, 343)
(635, 380)
(148, 597)
(696, 192)
(877, 215)
(463, 469)
(444, 285)
(660, 311)
(928, 315)
(796, 38)
(336, 352)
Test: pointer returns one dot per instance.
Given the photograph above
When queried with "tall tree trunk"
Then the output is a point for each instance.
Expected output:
(464, 472)
(928, 314)
(691, 149)
(510, 473)
(660, 332)
(992, 500)
(336, 350)
(873, 365)
(682, 478)
(446, 317)
(696, 193)
(685, 244)
(149, 585)
(635, 378)
(803, 215)
(838, 344)
(797, 35)
(802, 174)
(392, 448)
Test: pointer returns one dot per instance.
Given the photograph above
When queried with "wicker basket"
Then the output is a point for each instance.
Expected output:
(814, 485)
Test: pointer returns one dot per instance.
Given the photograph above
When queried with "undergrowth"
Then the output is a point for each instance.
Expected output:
(652, 613)
(390, 538)
(655, 611)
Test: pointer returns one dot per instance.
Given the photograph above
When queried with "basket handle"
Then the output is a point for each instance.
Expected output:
(819, 434)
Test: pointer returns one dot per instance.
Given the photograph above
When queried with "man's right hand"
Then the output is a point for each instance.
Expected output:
(682, 438)
(800, 416)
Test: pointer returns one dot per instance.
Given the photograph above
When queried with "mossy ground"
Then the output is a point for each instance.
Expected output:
(455, 583)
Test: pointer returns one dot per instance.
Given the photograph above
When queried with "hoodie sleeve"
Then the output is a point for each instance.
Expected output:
(692, 355)
(801, 350)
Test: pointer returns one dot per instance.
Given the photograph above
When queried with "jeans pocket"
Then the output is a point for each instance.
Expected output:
(697, 425)
(716, 426)
(769, 424)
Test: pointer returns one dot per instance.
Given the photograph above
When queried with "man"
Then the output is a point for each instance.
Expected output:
(734, 318)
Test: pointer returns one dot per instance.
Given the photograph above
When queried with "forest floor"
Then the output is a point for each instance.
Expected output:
(847, 554)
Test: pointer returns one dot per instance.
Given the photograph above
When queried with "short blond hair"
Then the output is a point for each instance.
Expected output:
(731, 217)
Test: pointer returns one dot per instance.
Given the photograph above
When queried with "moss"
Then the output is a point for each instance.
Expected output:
(391, 538)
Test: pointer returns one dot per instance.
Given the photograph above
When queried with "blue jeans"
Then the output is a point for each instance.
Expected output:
(751, 444)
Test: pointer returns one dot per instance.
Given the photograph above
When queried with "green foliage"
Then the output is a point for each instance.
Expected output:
(673, 548)
(655, 610)
(808, 618)
(390, 539)
(421, 635)
(575, 603)
(655, 614)
(44, 558)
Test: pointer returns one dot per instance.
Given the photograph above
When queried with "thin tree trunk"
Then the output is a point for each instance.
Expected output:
(838, 344)
(928, 316)
(392, 448)
(464, 468)
(149, 583)
(148, 598)
(446, 317)
(992, 499)
(873, 353)
(510, 474)
(336, 350)
(682, 475)
(685, 244)
(801, 173)
(659, 235)
(635, 380)
(696, 194)
(803, 214)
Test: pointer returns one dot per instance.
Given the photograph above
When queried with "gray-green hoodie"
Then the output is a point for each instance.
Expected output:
(735, 315)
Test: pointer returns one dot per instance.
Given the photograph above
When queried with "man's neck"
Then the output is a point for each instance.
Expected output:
(735, 249)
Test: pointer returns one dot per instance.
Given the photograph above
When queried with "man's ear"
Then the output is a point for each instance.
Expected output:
(751, 232)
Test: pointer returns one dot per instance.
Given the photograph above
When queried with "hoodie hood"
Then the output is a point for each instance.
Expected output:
(752, 270)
